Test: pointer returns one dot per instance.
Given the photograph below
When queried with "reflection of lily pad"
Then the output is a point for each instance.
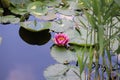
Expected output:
(37, 8)
(35, 38)
(61, 72)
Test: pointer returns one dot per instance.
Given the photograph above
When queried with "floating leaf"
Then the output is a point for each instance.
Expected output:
(61, 72)
(19, 1)
(9, 19)
(37, 8)
(81, 21)
(61, 54)
(68, 8)
(76, 38)
(35, 25)
(20, 11)
(61, 25)
(48, 17)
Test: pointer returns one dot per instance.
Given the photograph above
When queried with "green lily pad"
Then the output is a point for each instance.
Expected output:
(19, 1)
(48, 17)
(62, 55)
(81, 21)
(61, 72)
(69, 10)
(37, 8)
(52, 3)
(35, 25)
(80, 39)
(20, 11)
(9, 19)
(61, 25)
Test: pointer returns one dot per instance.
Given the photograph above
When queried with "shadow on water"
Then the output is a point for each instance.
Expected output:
(35, 38)
(19, 60)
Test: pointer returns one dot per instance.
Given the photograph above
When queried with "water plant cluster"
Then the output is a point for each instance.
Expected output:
(85, 35)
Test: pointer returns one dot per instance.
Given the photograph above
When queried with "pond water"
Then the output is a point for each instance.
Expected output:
(20, 60)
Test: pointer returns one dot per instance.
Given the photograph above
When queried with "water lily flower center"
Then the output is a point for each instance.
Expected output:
(61, 38)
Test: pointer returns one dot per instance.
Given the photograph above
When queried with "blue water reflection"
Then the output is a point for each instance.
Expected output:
(20, 60)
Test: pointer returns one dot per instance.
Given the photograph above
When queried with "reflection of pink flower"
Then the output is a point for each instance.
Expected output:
(61, 39)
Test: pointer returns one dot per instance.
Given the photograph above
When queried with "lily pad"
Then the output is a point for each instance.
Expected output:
(61, 72)
(80, 39)
(19, 1)
(9, 19)
(48, 17)
(20, 11)
(61, 25)
(35, 25)
(62, 55)
(81, 21)
(69, 10)
(52, 3)
(37, 8)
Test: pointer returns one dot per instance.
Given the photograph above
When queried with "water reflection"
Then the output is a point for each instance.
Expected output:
(22, 72)
(35, 38)
(16, 56)
(0, 40)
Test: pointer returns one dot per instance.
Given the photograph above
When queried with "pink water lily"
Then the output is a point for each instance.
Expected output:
(61, 39)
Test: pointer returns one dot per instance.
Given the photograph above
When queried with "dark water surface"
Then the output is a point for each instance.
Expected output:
(20, 60)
